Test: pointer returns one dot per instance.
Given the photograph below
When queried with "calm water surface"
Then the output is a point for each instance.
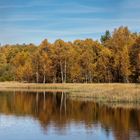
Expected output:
(50, 116)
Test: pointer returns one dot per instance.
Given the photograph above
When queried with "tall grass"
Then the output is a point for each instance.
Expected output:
(101, 92)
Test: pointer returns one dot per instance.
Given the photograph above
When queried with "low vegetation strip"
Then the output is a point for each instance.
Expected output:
(101, 92)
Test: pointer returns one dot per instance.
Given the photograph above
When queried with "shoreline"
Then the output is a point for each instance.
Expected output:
(102, 92)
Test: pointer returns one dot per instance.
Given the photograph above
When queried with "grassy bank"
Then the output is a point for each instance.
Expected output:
(100, 92)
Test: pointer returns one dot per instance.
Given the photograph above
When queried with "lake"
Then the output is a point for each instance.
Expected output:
(55, 115)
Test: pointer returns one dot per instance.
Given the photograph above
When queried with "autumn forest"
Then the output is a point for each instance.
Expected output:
(115, 58)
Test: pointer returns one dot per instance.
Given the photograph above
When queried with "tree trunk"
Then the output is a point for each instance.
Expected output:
(90, 77)
(108, 76)
(44, 75)
(62, 73)
(37, 77)
(65, 72)
(54, 77)
(44, 78)
(126, 80)
(86, 78)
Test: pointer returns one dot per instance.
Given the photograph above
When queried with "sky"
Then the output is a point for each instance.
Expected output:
(31, 21)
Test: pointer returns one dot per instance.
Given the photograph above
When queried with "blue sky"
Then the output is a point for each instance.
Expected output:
(31, 21)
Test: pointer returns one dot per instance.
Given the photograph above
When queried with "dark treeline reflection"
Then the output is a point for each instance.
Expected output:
(59, 109)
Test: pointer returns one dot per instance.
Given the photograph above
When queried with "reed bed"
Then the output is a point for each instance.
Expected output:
(107, 92)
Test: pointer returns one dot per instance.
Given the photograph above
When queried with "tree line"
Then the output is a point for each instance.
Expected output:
(115, 58)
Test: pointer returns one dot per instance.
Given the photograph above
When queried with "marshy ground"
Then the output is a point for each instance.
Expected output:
(100, 92)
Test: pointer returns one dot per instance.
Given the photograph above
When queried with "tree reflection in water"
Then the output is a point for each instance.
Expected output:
(58, 109)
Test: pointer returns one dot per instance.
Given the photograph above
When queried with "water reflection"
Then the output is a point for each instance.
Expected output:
(57, 112)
